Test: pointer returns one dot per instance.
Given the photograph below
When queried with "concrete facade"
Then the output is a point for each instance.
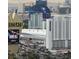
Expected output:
(58, 32)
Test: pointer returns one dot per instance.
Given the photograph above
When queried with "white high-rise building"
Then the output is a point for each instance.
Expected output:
(58, 32)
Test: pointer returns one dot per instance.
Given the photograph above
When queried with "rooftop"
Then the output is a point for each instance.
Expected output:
(33, 33)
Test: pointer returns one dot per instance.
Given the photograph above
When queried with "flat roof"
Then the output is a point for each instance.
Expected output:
(33, 33)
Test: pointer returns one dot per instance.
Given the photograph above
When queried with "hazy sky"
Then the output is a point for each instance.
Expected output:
(13, 4)
(29, 1)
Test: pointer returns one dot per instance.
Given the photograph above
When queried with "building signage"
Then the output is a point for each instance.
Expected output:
(12, 36)
(16, 24)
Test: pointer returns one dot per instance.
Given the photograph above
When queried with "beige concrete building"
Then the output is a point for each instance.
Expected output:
(19, 2)
(22, 1)
(56, 1)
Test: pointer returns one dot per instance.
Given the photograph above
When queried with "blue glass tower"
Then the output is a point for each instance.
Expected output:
(40, 7)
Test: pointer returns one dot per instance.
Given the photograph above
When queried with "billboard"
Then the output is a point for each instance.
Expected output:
(13, 37)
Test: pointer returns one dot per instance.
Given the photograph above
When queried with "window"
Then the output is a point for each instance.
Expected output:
(49, 25)
(58, 44)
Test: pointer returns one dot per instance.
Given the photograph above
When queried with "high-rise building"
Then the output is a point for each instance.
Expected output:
(58, 32)
(68, 2)
(38, 14)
